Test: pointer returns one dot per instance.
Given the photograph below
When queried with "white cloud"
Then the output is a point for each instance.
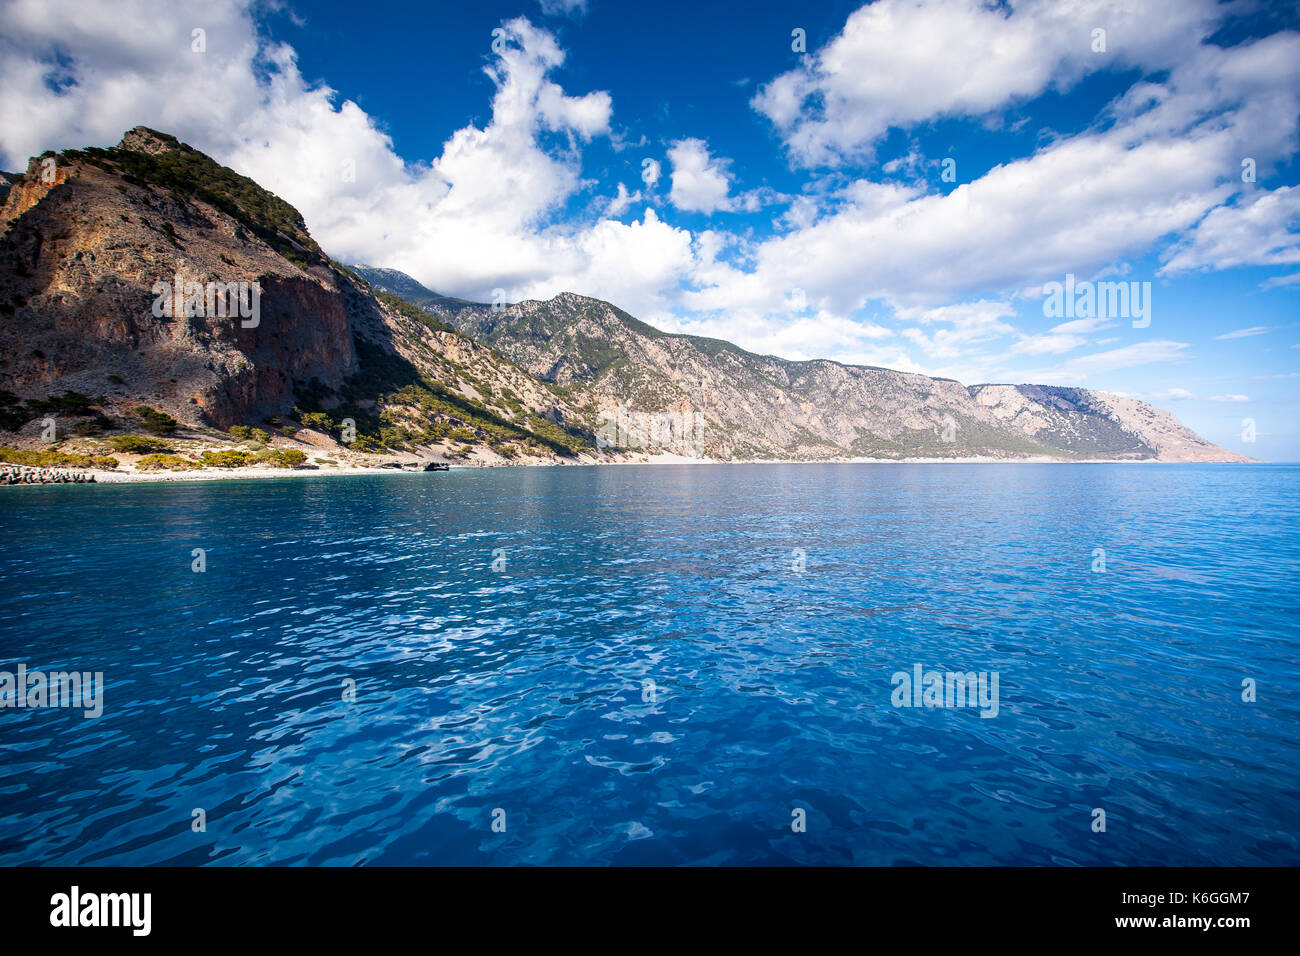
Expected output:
(1048, 344)
(477, 218)
(1230, 398)
(1260, 231)
(1082, 326)
(700, 182)
(565, 8)
(634, 266)
(82, 73)
(622, 201)
(898, 63)
(1062, 338)
(968, 324)
(1001, 231)
(1099, 363)
(1084, 204)
(1244, 333)
(1281, 281)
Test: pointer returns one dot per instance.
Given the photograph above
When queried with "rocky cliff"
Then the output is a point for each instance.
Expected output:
(149, 274)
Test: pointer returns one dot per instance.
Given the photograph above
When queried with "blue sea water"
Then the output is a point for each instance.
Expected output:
(659, 666)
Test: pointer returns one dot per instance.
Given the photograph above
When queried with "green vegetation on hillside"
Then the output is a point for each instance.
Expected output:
(168, 462)
(185, 172)
(394, 407)
(410, 311)
(234, 458)
(49, 458)
(154, 421)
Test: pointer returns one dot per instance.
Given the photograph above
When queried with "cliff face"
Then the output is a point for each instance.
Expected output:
(96, 244)
(79, 260)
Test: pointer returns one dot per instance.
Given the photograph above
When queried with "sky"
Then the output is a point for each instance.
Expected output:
(1103, 193)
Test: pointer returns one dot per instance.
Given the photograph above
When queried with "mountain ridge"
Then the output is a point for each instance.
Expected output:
(334, 363)
(1001, 420)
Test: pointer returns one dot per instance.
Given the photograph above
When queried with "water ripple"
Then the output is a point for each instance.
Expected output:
(665, 665)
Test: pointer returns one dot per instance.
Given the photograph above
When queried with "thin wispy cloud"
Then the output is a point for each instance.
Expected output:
(1244, 333)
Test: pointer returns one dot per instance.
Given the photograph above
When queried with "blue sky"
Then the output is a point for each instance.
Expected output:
(800, 206)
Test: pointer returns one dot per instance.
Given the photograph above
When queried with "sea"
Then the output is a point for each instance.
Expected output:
(949, 664)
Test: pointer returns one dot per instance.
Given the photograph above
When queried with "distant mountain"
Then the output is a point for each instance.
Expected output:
(92, 241)
(403, 286)
(759, 406)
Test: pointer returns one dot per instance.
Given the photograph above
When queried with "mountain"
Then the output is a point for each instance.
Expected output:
(146, 284)
(404, 287)
(92, 242)
(758, 406)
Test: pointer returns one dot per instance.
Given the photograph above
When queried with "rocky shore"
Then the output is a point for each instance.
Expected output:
(30, 475)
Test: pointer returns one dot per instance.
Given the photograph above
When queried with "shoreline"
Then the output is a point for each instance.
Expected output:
(122, 477)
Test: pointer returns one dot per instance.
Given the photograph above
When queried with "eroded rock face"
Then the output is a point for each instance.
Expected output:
(79, 260)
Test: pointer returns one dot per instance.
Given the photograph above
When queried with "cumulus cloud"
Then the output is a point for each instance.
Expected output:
(1004, 230)
(960, 326)
(700, 182)
(76, 74)
(898, 63)
(637, 264)
(1080, 204)
(478, 217)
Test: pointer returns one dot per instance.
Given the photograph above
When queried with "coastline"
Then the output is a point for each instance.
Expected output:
(124, 477)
